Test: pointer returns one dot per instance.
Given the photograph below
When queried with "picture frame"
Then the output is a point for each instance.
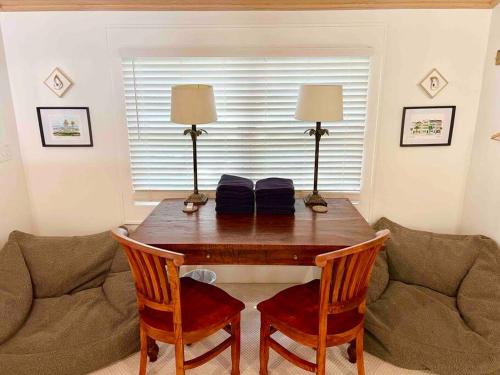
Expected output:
(58, 82)
(65, 126)
(427, 126)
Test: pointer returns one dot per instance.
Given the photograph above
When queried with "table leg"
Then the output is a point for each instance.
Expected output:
(153, 350)
(351, 351)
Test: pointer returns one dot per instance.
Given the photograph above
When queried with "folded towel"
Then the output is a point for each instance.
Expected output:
(234, 195)
(275, 210)
(234, 184)
(234, 210)
(276, 191)
(275, 201)
(274, 205)
(274, 186)
(275, 196)
(236, 203)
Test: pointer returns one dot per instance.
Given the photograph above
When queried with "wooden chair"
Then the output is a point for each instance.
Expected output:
(323, 313)
(178, 311)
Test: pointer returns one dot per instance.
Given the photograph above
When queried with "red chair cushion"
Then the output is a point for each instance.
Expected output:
(298, 308)
(202, 305)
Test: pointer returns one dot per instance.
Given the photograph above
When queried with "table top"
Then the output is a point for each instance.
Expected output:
(169, 228)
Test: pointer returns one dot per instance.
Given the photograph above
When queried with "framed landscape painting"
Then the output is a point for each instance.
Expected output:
(65, 126)
(427, 126)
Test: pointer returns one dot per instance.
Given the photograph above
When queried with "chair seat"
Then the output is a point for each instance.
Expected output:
(202, 306)
(297, 308)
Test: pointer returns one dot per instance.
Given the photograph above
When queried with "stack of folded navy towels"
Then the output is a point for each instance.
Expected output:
(234, 195)
(275, 196)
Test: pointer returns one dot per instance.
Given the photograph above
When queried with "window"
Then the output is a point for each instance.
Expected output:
(256, 135)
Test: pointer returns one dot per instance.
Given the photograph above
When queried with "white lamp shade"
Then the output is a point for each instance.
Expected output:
(192, 104)
(319, 103)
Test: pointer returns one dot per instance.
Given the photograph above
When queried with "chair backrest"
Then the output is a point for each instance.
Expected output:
(156, 274)
(346, 274)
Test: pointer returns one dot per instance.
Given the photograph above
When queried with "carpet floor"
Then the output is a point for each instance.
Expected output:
(251, 294)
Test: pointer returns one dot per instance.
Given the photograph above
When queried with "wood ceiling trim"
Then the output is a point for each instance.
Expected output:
(221, 5)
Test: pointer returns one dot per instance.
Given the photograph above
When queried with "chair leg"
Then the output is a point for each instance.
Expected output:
(179, 358)
(236, 345)
(144, 352)
(321, 360)
(265, 331)
(359, 352)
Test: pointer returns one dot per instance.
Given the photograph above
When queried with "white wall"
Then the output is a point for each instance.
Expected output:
(482, 199)
(14, 202)
(80, 191)
(83, 190)
(423, 187)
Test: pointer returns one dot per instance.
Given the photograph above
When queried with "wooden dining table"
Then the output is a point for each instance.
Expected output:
(208, 238)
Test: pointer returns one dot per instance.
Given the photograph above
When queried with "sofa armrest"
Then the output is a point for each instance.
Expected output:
(478, 297)
(16, 294)
(120, 262)
(379, 278)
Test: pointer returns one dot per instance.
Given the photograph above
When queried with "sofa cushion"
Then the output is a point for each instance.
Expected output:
(72, 334)
(379, 278)
(415, 327)
(479, 295)
(15, 290)
(120, 262)
(62, 265)
(119, 290)
(436, 261)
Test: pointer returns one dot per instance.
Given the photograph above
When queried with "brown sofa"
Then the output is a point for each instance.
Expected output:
(67, 305)
(434, 302)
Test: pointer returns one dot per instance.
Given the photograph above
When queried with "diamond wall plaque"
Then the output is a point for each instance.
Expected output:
(58, 82)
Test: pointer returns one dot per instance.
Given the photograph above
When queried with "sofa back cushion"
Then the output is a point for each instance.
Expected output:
(16, 294)
(63, 265)
(436, 261)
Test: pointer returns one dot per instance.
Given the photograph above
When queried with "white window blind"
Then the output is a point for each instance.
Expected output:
(256, 135)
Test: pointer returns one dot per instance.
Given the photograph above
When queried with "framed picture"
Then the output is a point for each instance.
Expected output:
(65, 126)
(427, 126)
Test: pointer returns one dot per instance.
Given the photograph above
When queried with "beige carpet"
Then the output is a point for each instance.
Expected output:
(251, 294)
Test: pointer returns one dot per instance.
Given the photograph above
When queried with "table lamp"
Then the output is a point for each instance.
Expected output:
(319, 103)
(193, 105)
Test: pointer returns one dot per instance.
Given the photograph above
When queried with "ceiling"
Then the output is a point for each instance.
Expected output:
(191, 5)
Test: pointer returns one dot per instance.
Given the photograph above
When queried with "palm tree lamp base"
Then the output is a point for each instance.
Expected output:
(314, 199)
(197, 199)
